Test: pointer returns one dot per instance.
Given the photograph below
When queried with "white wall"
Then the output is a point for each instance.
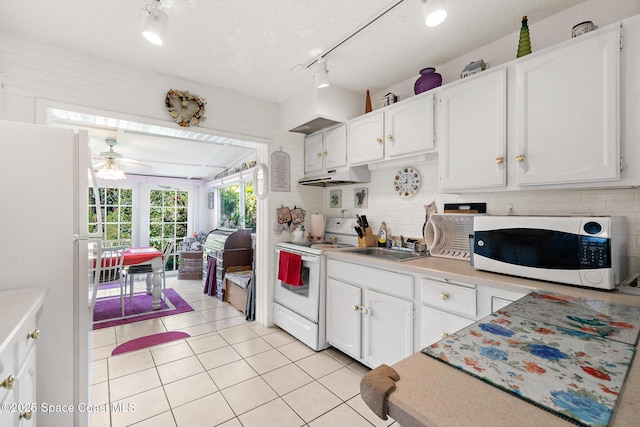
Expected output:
(33, 70)
(406, 216)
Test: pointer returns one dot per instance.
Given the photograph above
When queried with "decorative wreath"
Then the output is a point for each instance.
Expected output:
(185, 108)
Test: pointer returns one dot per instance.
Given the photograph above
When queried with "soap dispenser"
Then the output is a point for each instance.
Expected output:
(382, 235)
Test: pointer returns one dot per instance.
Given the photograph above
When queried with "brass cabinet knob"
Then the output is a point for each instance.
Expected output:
(8, 382)
(318, 154)
(499, 160)
(35, 334)
(356, 308)
(444, 296)
(389, 137)
(26, 414)
(379, 140)
(444, 335)
(520, 158)
(365, 310)
(324, 153)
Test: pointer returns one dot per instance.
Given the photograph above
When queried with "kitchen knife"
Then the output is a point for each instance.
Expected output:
(365, 223)
(359, 231)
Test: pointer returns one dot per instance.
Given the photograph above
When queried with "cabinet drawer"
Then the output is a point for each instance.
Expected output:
(386, 282)
(457, 298)
(15, 352)
(437, 324)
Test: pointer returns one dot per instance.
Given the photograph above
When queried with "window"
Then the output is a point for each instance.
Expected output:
(168, 217)
(116, 210)
(237, 206)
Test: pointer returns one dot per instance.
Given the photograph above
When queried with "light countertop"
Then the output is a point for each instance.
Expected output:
(431, 393)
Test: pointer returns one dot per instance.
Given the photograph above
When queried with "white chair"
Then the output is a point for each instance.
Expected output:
(132, 270)
(105, 266)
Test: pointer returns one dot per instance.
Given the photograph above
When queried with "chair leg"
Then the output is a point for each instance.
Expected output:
(122, 292)
(132, 282)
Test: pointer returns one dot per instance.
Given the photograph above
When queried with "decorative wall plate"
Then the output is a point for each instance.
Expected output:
(185, 108)
(407, 182)
(261, 180)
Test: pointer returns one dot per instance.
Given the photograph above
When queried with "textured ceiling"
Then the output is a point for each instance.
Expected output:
(260, 47)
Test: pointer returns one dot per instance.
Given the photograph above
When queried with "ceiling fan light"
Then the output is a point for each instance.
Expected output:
(320, 73)
(155, 27)
(434, 12)
(110, 171)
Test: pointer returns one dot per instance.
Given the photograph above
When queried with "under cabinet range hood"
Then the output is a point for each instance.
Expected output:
(342, 176)
(315, 109)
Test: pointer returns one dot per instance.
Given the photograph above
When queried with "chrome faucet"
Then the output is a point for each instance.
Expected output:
(342, 211)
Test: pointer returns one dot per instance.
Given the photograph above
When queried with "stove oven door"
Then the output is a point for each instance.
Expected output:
(303, 300)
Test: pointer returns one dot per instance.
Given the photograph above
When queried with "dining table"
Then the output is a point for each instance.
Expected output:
(151, 256)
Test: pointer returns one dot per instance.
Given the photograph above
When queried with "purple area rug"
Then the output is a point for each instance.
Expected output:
(107, 311)
(148, 341)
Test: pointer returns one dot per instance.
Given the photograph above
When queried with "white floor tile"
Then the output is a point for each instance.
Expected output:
(189, 389)
(358, 405)
(135, 383)
(128, 363)
(296, 350)
(139, 407)
(210, 410)
(219, 357)
(171, 353)
(267, 361)
(179, 369)
(287, 378)
(279, 338)
(231, 374)
(163, 420)
(344, 383)
(342, 416)
(248, 395)
(98, 371)
(252, 347)
(207, 342)
(311, 401)
(318, 365)
(237, 334)
(272, 414)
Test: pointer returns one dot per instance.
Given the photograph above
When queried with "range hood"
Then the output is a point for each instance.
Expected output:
(315, 109)
(342, 176)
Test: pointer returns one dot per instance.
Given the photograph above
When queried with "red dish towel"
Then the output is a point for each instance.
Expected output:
(290, 269)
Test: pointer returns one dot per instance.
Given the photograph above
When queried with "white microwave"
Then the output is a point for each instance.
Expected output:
(582, 251)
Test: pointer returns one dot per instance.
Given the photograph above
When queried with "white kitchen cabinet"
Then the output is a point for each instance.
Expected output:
(567, 112)
(408, 126)
(472, 132)
(325, 150)
(438, 324)
(388, 328)
(18, 335)
(365, 136)
(448, 306)
(369, 313)
(343, 317)
(400, 129)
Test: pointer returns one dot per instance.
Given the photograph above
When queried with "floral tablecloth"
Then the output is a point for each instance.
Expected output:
(567, 355)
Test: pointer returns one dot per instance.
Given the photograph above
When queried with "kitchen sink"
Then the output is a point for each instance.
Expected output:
(397, 254)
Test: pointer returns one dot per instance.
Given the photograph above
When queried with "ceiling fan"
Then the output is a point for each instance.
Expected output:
(108, 166)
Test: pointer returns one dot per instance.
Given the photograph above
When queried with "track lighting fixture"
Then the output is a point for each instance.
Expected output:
(320, 73)
(156, 24)
(434, 12)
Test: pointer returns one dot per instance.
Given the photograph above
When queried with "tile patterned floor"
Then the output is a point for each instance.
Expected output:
(229, 373)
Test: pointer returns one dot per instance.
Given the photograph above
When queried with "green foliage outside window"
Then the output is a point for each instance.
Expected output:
(237, 212)
(116, 209)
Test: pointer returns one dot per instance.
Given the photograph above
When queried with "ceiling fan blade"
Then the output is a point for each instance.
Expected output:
(99, 164)
(131, 162)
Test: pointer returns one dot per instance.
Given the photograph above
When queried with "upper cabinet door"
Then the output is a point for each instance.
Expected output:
(335, 147)
(313, 153)
(366, 138)
(472, 133)
(408, 126)
(567, 112)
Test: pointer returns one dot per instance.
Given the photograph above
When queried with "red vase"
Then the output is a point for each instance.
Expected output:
(428, 80)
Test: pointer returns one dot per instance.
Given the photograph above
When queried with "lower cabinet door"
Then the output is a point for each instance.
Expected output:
(343, 317)
(438, 324)
(388, 329)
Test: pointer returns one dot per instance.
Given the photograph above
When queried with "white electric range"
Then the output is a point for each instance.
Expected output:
(300, 310)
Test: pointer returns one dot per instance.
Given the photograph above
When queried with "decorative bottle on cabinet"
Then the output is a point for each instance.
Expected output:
(367, 106)
(524, 44)
(428, 80)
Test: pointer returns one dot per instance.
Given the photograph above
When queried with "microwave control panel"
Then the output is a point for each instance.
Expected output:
(594, 252)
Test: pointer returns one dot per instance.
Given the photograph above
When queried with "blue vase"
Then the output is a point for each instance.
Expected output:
(428, 80)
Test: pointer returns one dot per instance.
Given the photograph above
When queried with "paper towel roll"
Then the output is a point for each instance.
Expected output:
(317, 225)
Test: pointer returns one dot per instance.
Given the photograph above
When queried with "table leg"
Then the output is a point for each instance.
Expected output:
(156, 265)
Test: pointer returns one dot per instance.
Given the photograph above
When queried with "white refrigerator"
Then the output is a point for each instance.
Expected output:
(43, 225)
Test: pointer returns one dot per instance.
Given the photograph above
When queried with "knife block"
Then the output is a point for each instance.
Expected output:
(368, 240)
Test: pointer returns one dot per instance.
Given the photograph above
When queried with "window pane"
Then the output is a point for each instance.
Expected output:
(250, 206)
